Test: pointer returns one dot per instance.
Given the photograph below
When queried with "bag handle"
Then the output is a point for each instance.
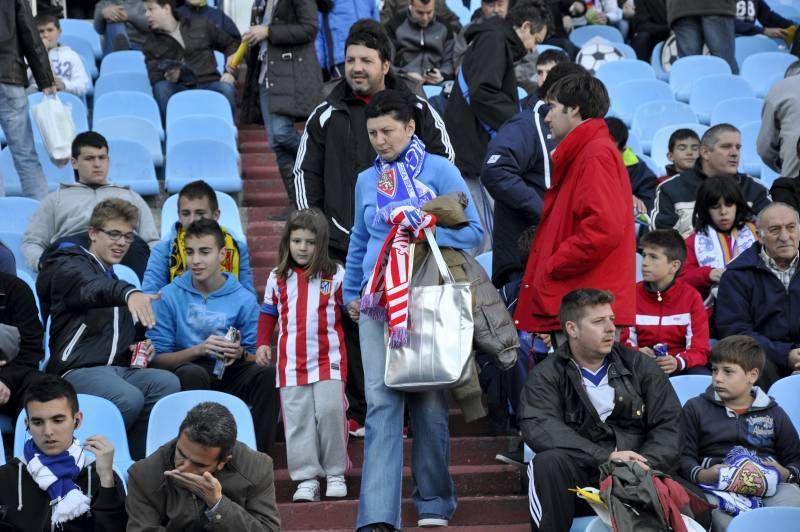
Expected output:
(447, 277)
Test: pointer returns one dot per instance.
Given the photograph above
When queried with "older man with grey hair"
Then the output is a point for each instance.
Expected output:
(780, 124)
(759, 293)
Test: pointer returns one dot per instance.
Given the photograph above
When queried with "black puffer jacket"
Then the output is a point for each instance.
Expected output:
(18, 308)
(556, 412)
(91, 324)
(20, 41)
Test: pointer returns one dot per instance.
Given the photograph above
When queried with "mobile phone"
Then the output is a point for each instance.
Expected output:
(431, 70)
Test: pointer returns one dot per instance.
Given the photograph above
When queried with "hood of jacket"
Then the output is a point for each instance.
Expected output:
(574, 144)
(761, 401)
(493, 24)
(749, 259)
(184, 282)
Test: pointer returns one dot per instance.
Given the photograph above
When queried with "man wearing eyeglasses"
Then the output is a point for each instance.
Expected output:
(96, 321)
(63, 216)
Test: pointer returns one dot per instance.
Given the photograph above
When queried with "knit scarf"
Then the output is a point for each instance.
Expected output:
(399, 198)
(743, 480)
(177, 259)
(56, 475)
(712, 248)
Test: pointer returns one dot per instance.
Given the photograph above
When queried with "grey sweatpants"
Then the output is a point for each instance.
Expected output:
(786, 495)
(316, 429)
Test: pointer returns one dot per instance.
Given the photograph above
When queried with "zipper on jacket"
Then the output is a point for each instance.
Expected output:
(71, 345)
(115, 338)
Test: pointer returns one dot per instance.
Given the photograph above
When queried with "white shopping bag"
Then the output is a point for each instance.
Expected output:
(54, 119)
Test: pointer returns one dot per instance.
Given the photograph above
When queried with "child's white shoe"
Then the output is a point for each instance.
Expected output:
(307, 491)
(336, 487)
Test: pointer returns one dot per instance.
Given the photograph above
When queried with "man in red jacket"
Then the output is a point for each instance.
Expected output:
(586, 236)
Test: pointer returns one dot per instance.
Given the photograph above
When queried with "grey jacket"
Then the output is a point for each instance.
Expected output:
(418, 49)
(67, 211)
(138, 28)
(780, 127)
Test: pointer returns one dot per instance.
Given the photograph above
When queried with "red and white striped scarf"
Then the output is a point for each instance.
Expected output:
(388, 286)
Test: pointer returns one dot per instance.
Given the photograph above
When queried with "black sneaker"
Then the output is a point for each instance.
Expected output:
(515, 457)
(121, 43)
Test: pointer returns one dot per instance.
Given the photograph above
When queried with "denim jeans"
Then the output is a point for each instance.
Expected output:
(382, 475)
(163, 91)
(113, 30)
(133, 391)
(714, 31)
(16, 124)
(283, 137)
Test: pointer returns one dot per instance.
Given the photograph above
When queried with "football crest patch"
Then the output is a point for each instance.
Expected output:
(387, 183)
(325, 287)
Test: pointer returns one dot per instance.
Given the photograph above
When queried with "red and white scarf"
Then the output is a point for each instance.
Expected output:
(387, 290)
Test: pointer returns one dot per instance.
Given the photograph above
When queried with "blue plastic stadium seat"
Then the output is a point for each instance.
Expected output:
(53, 174)
(615, 72)
(13, 241)
(16, 214)
(584, 34)
(131, 164)
(123, 81)
(100, 416)
(84, 30)
(655, 62)
(657, 169)
(485, 260)
(77, 107)
(25, 275)
(658, 150)
(782, 518)
(2, 137)
(123, 61)
(544, 47)
(431, 90)
(128, 103)
(201, 127)
(750, 162)
(785, 392)
(768, 175)
(5, 427)
(169, 412)
(124, 273)
(228, 215)
(792, 12)
(652, 116)
(737, 111)
(634, 143)
(627, 97)
(214, 162)
(763, 70)
(626, 50)
(219, 57)
(84, 49)
(133, 129)
(595, 525)
(689, 386)
(710, 90)
(747, 45)
(687, 70)
(198, 102)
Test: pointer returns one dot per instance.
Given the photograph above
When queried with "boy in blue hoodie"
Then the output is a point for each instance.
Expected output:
(194, 314)
(731, 418)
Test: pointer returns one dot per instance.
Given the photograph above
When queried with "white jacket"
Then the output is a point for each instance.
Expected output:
(68, 66)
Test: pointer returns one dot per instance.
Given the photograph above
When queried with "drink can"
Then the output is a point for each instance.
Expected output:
(139, 357)
(661, 350)
(233, 335)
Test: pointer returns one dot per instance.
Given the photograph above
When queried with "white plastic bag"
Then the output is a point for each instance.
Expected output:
(54, 119)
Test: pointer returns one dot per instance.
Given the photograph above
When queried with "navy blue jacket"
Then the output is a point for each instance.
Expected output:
(516, 172)
(752, 301)
(643, 183)
(711, 430)
(748, 12)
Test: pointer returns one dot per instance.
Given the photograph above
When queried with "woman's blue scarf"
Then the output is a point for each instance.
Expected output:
(397, 181)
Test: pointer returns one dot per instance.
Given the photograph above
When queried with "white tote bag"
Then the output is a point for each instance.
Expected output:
(54, 119)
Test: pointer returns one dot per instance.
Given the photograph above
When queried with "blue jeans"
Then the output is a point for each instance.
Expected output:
(113, 30)
(382, 474)
(133, 391)
(163, 91)
(16, 124)
(714, 31)
(283, 137)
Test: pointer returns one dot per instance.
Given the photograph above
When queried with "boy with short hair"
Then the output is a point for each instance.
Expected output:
(192, 318)
(668, 311)
(683, 149)
(735, 426)
(196, 201)
(53, 485)
(67, 65)
(545, 62)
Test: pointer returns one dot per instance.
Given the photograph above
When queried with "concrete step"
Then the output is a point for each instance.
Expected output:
(262, 172)
(499, 513)
(271, 198)
(260, 158)
(463, 451)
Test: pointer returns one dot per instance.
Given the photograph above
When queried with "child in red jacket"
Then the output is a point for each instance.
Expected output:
(668, 311)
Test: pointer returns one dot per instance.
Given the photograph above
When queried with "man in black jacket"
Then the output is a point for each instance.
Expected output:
(180, 54)
(593, 401)
(94, 499)
(649, 27)
(94, 317)
(335, 147)
(20, 42)
(21, 337)
(485, 93)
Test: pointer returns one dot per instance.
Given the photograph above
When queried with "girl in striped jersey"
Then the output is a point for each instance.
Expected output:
(304, 296)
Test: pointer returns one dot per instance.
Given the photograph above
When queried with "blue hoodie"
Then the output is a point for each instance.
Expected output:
(185, 318)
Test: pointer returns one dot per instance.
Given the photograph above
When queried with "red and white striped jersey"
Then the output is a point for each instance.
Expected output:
(310, 338)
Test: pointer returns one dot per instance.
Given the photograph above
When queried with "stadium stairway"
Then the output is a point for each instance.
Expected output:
(488, 492)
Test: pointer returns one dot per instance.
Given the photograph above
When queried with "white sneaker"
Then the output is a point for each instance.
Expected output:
(307, 491)
(432, 522)
(336, 486)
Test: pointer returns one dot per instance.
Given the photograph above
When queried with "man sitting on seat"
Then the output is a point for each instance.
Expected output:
(122, 23)
(196, 201)
(180, 54)
(64, 214)
(192, 317)
(203, 479)
(54, 485)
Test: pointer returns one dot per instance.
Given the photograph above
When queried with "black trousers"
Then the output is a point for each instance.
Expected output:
(551, 505)
(253, 384)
